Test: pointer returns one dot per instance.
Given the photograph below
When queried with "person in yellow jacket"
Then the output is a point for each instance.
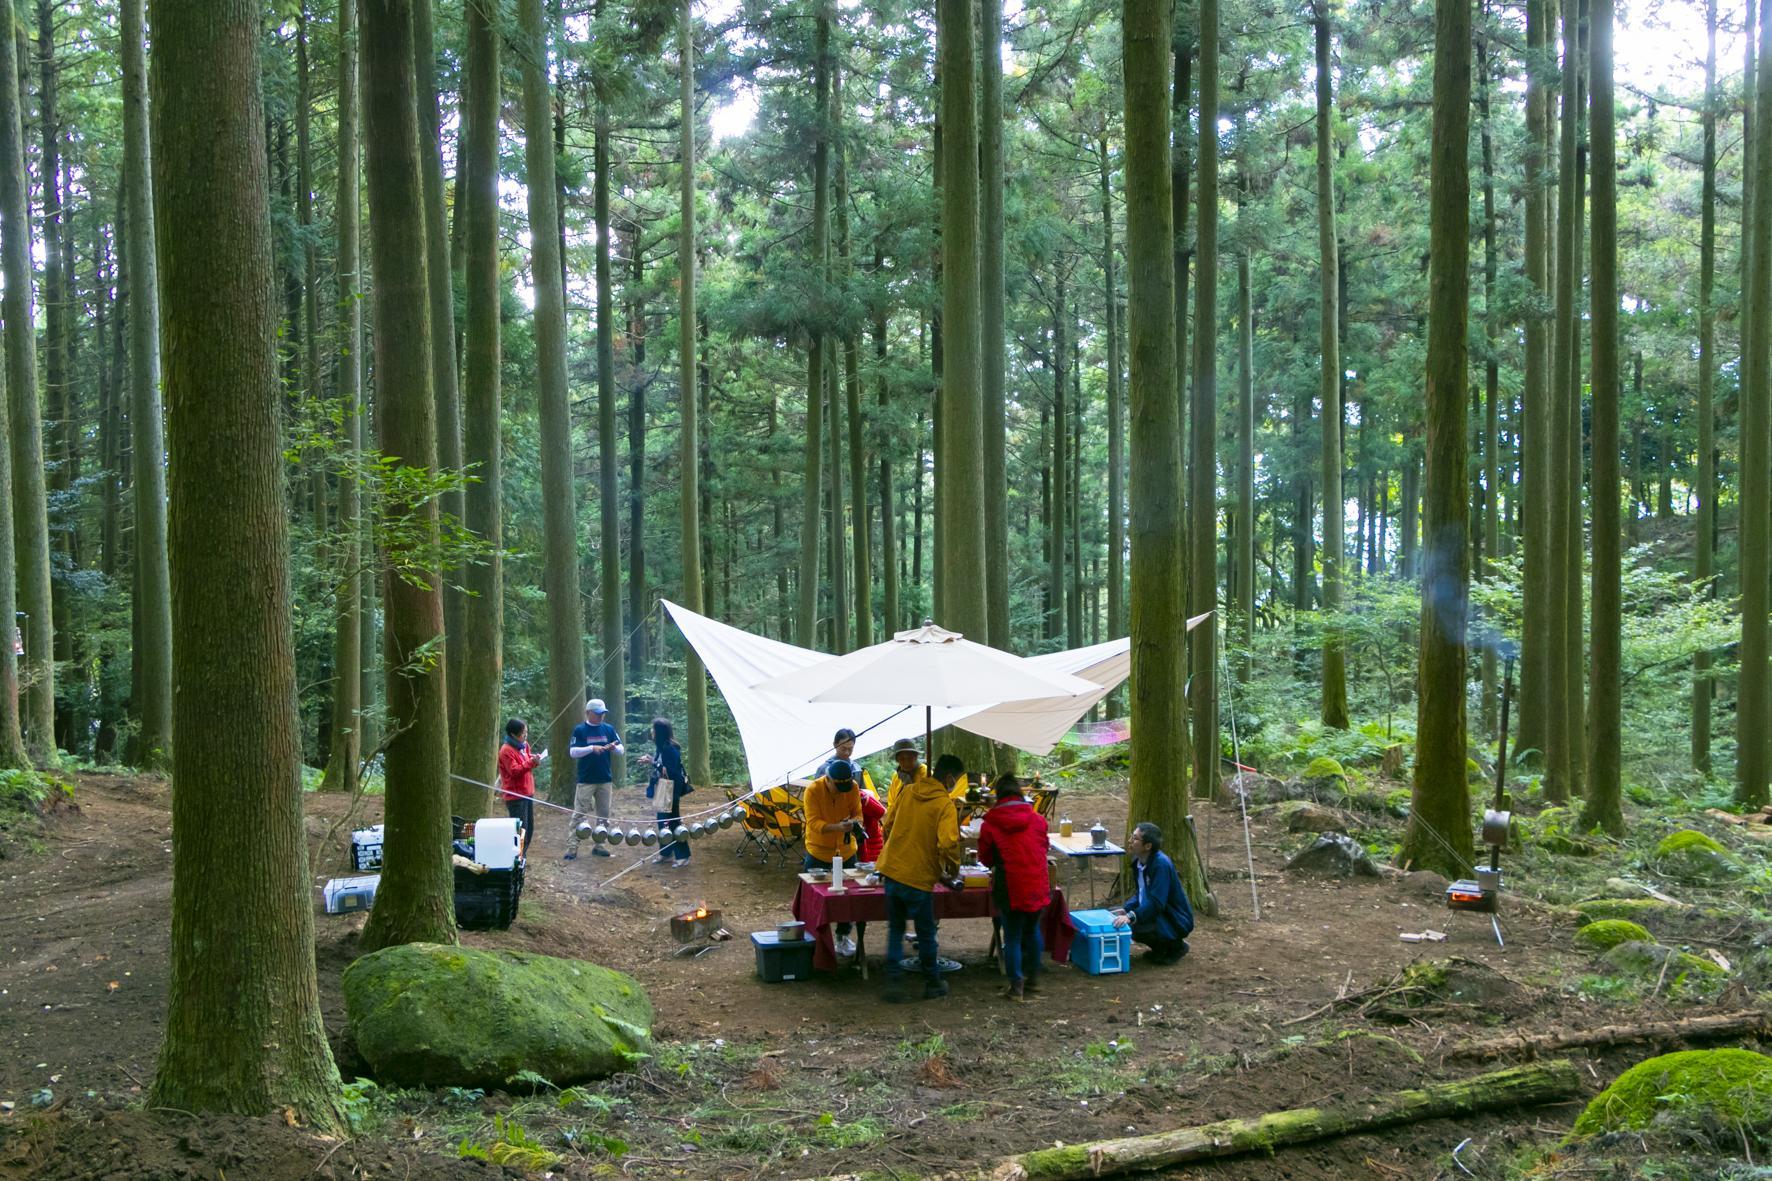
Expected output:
(922, 849)
(914, 771)
(833, 828)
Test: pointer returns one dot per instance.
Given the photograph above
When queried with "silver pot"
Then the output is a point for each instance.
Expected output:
(790, 932)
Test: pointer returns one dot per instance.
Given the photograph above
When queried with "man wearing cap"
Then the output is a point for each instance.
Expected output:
(922, 849)
(595, 744)
(833, 827)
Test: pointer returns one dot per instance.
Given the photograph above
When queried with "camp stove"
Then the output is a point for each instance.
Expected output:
(1483, 892)
(695, 925)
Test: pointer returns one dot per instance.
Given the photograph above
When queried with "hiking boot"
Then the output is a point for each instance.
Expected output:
(571, 855)
(599, 851)
(1030, 986)
(1017, 991)
(935, 990)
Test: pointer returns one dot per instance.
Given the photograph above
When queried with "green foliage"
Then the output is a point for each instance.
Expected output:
(932, 1046)
(357, 1098)
(25, 795)
(511, 1145)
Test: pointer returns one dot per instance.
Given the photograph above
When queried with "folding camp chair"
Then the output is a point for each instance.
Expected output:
(750, 825)
(1045, 801)
(775, 822)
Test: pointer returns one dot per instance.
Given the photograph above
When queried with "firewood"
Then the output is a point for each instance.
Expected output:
(1710, 1025)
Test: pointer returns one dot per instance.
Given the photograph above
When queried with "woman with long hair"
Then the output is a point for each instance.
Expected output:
(666, 789)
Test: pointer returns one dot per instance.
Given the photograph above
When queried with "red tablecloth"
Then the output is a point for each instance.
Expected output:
(818, 908)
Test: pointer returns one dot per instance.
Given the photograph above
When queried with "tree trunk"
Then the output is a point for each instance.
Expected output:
(1706, 1025)
(1203, 496)
(837, 555)
(638, 608)
(1329, 382)
(566, 663)
(1704, 526)
(1752, 756)
(1245, 538)
(1159, 636)
(1061, 468)
(345, 756)
(689, 454)
(444, 384)
(151, 603)
(416, 901)
(614, 689)
(477, 646)
(30, 513)
(1116, 412)
(1536, 639)
(1606, 727)
(1517, 1086)
(991, 296)
(243, 1023)
(1439, 834)
(57, 393)
(1179, 91)
(806, 611)
(1573, 701)
(857, 467)
(1491, 536)
(891, 619)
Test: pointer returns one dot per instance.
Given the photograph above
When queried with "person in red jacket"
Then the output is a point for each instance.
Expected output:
(873, 813)
(1012, 841)
(516, 777)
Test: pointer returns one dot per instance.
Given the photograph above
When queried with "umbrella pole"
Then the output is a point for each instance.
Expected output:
(929, 737)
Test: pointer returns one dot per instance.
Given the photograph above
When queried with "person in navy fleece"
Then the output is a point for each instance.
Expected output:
(1158, 910)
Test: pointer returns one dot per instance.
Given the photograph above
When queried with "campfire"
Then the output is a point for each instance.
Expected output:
(693, 926)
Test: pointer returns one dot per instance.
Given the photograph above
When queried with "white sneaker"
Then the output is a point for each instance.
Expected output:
(846, 946)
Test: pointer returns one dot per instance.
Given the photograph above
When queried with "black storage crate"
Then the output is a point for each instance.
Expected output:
(487, 901)
(779, 961)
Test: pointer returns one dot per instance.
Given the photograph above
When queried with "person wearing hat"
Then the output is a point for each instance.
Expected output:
(873, 809)
(1012, 841)
(832, 803)
(595, 743)
(922, 849)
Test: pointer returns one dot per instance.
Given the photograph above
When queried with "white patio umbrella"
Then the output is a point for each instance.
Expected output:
(927, 666)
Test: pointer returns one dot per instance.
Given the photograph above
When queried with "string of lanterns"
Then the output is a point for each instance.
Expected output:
(604, 834)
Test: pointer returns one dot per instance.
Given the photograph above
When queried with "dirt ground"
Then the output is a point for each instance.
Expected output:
(1248, 1023)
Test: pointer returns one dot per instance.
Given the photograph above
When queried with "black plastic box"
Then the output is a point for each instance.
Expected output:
(487, 901)
(779, 962)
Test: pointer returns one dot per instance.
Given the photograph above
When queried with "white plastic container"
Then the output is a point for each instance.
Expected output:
(495, 842)
(347, 895)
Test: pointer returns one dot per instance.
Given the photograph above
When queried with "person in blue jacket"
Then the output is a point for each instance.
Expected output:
(1158, 910)
(668, 786)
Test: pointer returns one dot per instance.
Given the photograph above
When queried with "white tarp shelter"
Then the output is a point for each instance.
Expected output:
(787, 739)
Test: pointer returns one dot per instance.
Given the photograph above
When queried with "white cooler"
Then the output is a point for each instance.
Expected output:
(496, 841)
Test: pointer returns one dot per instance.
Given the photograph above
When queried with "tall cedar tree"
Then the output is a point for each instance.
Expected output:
(566, 667)
(445, 387)
(1159, 562)
(1705, 519)
(1754, 754)
(689, 453)
(1574, 592)
(960, 551)
(992, 297)
(152, 600)
(346, 753)
(1244, 554)
(415, 902)
(1203, 495)
(806, 607)
(613, 688)
(1329, 380)
(478, 649)
(1439, 834)
(1116, 411)
(15, 250)
(55, 187)
(1535, 396)
(1606, 720)
(243, 1025)
(30, 513)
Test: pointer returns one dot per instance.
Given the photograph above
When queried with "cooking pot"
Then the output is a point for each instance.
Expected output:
(790, 932)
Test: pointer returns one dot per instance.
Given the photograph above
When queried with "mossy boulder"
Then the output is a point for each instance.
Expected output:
(1334, 854)
(1324, 767)
(1727, 1089)
(1397, 802)
(428, 1015)
(1651, 961)
(1606, 934)
(1636, 910)
(1558, 830)
(1693, 857)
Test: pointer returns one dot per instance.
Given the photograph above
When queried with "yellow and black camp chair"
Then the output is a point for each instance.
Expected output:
(775, 822)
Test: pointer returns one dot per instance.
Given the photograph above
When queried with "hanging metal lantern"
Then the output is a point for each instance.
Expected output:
(583, 831)
(680, 833)
(633, 837)
(696, 831)
(648, 838)
(600, 835)
(727, 819)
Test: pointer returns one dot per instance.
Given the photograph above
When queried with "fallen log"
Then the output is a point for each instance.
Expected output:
(1710, 1025)
(1517, 1086)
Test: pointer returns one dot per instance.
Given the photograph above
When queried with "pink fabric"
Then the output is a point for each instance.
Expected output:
(818, 908)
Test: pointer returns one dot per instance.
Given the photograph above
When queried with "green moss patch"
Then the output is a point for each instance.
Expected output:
(1729, 1087)
(433, 1016)
(1693, 857)
(1324, 767)
(1680, 972)
(1606, 934)
(1637, 910)
(1558, 830)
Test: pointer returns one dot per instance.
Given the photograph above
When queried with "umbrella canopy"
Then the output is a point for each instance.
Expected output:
(928, 666)
(1037, 725)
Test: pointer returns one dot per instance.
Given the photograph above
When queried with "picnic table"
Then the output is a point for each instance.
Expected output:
(1079, 847)
(818, 908)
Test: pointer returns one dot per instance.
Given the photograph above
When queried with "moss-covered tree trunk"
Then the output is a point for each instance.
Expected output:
(1606, 719)
(566, 661)
(478, 645)
(1753, 735)
(613, 688)
(30, 511)
(345, 755)
(243, 1028)
(1202, 566)
(1704, 566)
(806, 599)
(415, 902)
(1439, 834)
(1329, 379)
(1535, 398)
(1159, 636)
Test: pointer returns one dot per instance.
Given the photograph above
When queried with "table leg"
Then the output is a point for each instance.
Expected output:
(861, 948)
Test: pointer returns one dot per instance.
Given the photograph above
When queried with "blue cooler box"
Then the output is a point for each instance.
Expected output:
(1100, 948)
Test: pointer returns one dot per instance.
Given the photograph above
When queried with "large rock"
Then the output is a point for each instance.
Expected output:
(1605, 934)
(428, 1015)
(1653, 962)
(1693, 857)
(1637, 910)
(1334, 854)
(1255, 788)
(1728, 1090)
(1310, 816)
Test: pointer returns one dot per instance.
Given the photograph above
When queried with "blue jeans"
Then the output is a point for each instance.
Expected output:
(909, 904)
(668, 848)
(1021, 944)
